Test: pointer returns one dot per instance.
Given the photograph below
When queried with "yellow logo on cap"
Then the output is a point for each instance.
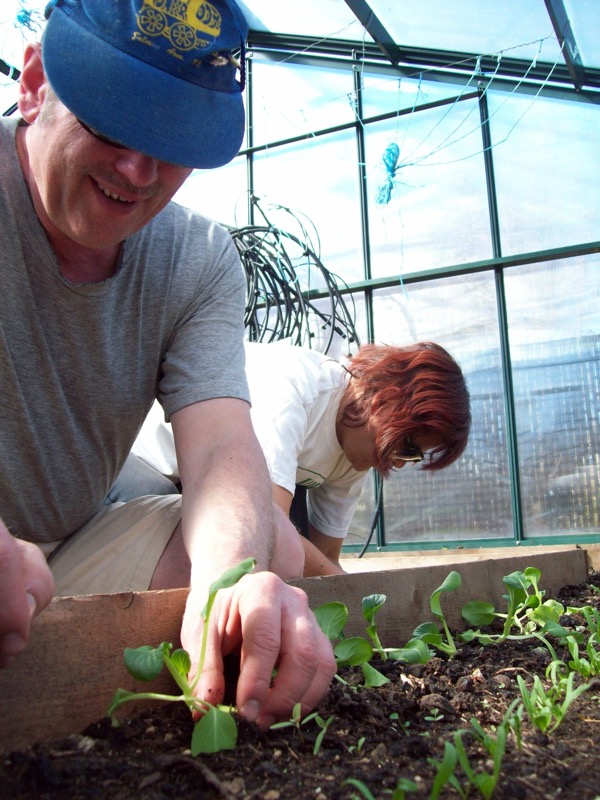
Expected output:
(185, 23)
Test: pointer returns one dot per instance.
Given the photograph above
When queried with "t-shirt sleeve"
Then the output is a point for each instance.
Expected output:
(281, 431)
(205, 356)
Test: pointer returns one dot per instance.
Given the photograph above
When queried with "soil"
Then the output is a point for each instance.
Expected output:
(377, 736)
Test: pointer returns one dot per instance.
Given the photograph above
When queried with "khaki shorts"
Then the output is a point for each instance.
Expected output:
(118, 549)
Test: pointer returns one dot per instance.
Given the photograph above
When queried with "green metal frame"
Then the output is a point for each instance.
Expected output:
(340, 55)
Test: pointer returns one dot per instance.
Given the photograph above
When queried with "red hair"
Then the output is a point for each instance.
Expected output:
(410, 392)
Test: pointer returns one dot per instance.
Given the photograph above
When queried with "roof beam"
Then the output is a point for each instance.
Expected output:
(566, 38)
(371, 23)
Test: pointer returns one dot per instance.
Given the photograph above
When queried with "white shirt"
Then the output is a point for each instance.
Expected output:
(295, 394)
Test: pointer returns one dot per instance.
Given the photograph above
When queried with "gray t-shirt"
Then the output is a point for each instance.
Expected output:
(81, 364)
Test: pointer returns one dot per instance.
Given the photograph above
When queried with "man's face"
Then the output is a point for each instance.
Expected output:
(86, 191)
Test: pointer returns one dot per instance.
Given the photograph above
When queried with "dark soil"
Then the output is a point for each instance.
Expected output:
(377, 737)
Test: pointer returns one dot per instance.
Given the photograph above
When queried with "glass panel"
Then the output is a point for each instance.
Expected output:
(471, 498)
(313, 18)
(290, 100)
(481, 27)
(219, 194)
(384, 93)
(554, 327)
(337, 323)
(584, 16)
(546, 163)
(317, 180)
(430, 210)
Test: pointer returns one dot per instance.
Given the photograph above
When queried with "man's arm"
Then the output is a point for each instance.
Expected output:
(26, 587)
(228, 515)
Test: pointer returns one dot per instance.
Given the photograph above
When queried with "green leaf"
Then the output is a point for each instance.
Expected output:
(230, 577)
(445, 770)
(428, 632)
(146, 662)
(353, 651)
(554, 629)
(332, 618)
(516, 580)
(404, 785)
(548, 611)
(215, 731)
(451, 584)
(372, 676)
(362, 788)
(518, 586)
(482, 638)
(533, 574)
(181, 661)
(426, 629)
(371, 605)
(414, 652)
(478, 612)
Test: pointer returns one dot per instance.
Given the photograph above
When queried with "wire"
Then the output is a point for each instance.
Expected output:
(281, 268)
(278, 266)
(375, 520)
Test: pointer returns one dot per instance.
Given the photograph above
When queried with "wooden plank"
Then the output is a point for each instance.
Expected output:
(69, 672)
(409, 587)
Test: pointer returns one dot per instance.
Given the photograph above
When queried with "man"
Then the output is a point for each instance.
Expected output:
(111, 296)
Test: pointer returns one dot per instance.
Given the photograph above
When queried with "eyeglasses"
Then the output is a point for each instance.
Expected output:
(99, 136)
(411, 453)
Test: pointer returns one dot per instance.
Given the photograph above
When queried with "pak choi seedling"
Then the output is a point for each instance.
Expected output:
(526, 611)
(216, 729)
(428, 632)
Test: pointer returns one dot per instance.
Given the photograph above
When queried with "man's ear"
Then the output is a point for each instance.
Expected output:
(33, 85)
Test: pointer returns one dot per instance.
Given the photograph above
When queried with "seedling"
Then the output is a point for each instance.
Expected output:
(404, 725)
(296, 721)
(414, 652)
(526, 611)
(514, 720)
(455, 754)
(404, 786)
(547, 709)
(356, 651)
(332, 618)
(586, 667)
(323, 724)
(484, 782)
(216, 729)
(353, 651)
(370, 607)
(357, 748)
(435, 715)
(428, 632)
(362, 788)
(591, 616)
(445, 772)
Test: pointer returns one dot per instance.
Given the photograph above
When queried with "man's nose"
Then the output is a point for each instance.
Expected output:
(139, 169)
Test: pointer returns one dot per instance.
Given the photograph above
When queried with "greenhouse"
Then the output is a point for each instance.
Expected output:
(217, 216)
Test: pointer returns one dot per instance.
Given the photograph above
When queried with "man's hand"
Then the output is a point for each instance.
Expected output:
(26, 587)
(273, 628)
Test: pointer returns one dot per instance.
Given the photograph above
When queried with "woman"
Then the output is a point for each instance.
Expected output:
(323, 424)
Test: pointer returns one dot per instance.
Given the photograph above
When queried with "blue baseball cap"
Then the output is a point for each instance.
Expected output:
(157, 76)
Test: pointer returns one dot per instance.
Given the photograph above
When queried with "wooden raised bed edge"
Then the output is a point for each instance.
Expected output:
(74, 662)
